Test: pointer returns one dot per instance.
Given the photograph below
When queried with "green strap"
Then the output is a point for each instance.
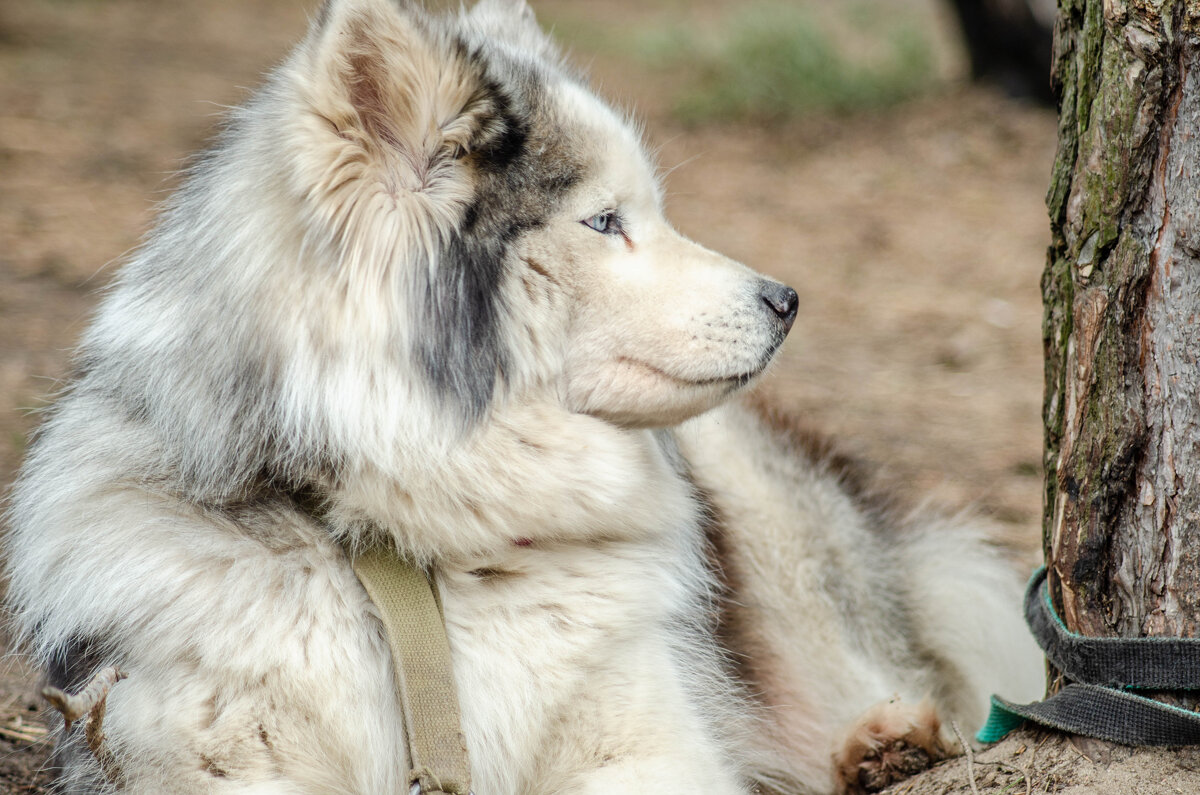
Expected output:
(416, 633)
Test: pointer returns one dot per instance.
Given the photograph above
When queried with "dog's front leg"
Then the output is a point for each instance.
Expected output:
(891, 741)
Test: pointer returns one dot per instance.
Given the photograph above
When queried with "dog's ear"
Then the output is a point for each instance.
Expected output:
(513, 21)
(403, 91)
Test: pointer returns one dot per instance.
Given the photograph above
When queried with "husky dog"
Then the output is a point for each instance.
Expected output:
(421, 291)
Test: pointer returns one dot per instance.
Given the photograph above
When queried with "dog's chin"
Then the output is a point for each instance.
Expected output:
(634, 394)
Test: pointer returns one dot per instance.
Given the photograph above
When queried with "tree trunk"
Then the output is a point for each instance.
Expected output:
(1122, 323)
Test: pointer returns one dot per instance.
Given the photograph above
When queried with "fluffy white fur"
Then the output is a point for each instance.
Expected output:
(376, 292)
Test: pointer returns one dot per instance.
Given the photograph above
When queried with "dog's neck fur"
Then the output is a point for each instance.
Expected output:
(605, 484)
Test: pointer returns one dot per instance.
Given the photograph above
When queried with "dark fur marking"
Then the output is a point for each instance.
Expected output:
(462, 353)
(212, 768)
(540, 270)
(503, 150)
(531, 290)
(323, 14)
(489, 573)
(73, 663)
(519, 181)
(742, 650)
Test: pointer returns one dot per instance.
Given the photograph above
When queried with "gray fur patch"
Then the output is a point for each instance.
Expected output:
(520, 179)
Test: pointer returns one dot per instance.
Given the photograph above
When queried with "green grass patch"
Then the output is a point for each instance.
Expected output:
(773, 61)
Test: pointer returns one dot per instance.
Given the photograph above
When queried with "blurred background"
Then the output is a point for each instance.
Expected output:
(841, 145)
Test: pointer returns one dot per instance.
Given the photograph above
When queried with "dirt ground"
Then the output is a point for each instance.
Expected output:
(914, 236)
(1041, 762)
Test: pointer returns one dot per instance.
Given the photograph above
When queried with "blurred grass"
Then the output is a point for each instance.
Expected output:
(774, 61)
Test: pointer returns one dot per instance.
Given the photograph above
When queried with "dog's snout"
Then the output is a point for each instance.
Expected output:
(783, 302)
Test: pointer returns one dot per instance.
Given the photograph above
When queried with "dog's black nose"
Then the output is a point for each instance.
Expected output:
(783, 302)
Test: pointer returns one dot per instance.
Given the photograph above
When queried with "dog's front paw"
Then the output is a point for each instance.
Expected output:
(890, 742)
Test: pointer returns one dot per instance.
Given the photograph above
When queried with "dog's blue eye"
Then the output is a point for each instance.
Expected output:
(608, 223)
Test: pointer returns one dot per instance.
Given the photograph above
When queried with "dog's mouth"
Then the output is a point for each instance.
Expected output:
(632, 392)
(735, 381)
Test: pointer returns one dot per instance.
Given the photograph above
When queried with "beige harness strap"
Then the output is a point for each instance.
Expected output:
(416, 633)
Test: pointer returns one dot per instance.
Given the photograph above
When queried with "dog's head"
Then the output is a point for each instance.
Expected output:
(465, 185)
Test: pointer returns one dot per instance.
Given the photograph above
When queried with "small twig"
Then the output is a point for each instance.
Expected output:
(29, 734)
(93, 733)
(90, 701)
(970, 758)
(32, 739)
(75, 706)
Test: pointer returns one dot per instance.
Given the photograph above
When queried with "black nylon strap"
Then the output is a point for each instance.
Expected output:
(1156, 663)
(1113, 715)
(1094, 706)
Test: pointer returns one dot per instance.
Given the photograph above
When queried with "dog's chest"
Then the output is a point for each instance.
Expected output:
(540, 632)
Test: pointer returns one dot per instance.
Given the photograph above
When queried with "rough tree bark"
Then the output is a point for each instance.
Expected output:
(1122, 322)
